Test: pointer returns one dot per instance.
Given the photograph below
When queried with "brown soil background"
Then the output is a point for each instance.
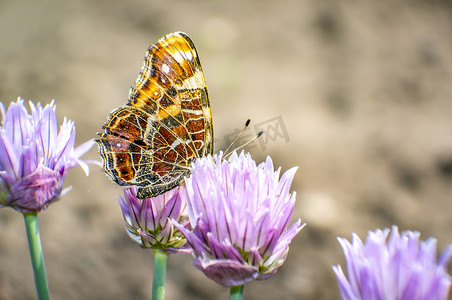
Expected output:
(364, 89)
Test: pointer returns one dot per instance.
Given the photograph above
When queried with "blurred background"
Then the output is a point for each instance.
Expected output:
(356, 93)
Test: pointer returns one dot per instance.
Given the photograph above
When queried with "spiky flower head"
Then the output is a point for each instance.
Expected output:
(240, 214)
(400, 267)
(148, 221)
(35, 156)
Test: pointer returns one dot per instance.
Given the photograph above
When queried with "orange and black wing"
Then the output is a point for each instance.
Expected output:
(166, 124)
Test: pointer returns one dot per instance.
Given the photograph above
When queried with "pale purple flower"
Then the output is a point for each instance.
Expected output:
(401, 268)
(240, 213)
(148, 221)
(35, 156)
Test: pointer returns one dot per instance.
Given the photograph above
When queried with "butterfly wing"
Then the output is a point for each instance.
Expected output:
(166, 124)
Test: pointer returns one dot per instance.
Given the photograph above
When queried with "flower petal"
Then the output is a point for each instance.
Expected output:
(226, 272)
(37, 190)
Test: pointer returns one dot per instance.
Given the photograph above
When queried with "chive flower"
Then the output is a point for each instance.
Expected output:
(35, 156)
(240, 214)
(148, 221)
(400, 267)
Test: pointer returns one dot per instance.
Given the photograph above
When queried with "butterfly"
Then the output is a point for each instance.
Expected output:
(166, 124)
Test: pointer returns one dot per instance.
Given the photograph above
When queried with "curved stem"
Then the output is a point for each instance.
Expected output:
(236, 292)
(37, 258)
(158, 283)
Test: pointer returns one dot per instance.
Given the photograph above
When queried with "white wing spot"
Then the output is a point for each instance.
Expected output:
(192, 111)
(165, 68)
(175, 144)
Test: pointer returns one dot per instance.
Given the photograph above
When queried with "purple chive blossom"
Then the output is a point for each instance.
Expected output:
(35, 156)
(401, 268)
(148, 221)
(240, 213)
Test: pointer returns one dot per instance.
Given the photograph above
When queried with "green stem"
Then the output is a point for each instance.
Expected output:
(236, 292)
(37, 258)
(158, 283)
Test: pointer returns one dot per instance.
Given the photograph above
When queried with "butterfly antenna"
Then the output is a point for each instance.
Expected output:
(247, 123)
